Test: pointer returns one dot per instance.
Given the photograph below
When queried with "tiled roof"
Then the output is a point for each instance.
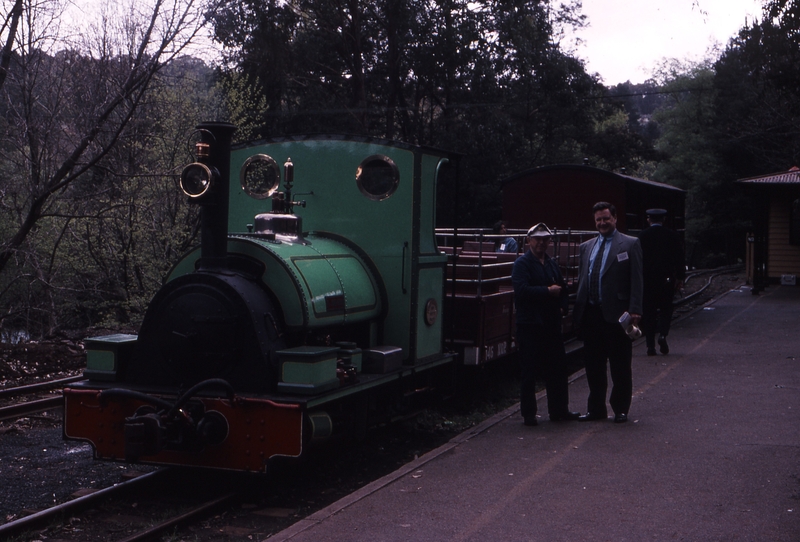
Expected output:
(786, 177)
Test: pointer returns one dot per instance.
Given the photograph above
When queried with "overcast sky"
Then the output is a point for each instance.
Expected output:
(626, 39)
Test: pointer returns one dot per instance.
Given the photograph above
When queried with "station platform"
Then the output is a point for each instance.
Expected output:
(711, 452)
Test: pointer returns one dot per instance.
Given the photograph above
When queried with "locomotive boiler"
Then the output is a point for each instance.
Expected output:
(314, 297)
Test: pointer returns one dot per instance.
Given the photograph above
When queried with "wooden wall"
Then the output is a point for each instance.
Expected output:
(783, 258)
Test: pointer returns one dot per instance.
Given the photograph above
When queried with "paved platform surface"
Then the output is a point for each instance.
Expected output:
(711, 453)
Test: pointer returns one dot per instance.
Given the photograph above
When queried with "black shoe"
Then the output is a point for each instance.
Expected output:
(662, 343)
(530, 422)
(590, 417)
(651, 351)
(565, 417)
(620, 418)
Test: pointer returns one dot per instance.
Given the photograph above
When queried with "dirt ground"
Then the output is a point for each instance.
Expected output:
(37, 467)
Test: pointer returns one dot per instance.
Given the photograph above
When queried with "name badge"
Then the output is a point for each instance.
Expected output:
(622, 256)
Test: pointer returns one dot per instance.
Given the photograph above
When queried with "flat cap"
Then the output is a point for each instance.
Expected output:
(540, 230)
(656, 212)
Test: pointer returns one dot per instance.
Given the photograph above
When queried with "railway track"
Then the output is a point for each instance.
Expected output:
(74, 506)
(101, 508)
(709, 275)
(16, 408)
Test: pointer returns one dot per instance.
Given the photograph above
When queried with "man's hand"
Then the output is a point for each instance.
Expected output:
(554, 290)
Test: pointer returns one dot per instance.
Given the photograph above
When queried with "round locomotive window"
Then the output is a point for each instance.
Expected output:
(260, 176)
(377, 177)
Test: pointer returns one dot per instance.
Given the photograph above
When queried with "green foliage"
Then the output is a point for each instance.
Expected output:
(243, 96)
(759, 79)
(486, 78)
(691, 159)
(734, 118)
(102, 248)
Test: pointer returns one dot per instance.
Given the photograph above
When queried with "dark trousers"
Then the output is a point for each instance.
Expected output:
(656, 318)
(542, 357)
(604, 341)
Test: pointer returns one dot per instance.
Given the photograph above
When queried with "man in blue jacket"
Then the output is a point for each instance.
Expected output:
(541, 299)
(609, 285)
(509, 244)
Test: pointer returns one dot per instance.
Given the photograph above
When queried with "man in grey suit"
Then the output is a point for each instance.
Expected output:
(609, 284)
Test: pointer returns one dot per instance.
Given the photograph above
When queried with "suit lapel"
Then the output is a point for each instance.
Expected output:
(613, 250)
(589, 250)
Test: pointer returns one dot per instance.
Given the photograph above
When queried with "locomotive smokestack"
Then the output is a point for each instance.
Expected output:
(214, 212)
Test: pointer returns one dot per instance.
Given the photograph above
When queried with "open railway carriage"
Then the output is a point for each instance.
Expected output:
(316, 291)
(479, 295)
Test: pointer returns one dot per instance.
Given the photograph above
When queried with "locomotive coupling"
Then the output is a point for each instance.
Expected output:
(144, 435)
(184, 425)
(191, 429)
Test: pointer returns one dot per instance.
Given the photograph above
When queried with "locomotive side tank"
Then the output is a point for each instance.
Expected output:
(292, 316)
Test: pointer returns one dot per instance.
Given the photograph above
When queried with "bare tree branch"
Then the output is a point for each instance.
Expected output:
(10, 25)
(169, 29)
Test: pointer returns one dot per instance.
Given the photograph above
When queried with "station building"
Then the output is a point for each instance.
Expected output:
(773, 247)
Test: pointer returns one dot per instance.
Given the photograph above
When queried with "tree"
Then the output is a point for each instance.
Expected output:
(58, 128)
(83, 118)
(9, 31)
(134, 222)
(731, 118)
(690, 151)
(488, 78)
(759, 109)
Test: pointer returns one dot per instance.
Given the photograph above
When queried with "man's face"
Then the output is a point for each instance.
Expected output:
(538, 245)
(605, 222)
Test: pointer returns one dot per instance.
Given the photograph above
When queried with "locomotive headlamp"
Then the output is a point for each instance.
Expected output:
(196, 179)
(202, 149)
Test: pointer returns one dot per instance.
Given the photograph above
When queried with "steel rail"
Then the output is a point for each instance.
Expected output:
(39, 386)
(199, 510)
(31, 407)
(714, 274)
(28, 522)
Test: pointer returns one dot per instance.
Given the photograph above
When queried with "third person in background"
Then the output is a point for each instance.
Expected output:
(507, 244)
(664, 273)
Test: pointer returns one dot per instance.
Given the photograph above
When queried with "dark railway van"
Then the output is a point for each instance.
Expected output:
(563, 195)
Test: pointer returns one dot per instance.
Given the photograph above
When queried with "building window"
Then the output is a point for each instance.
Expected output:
(794, 223)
